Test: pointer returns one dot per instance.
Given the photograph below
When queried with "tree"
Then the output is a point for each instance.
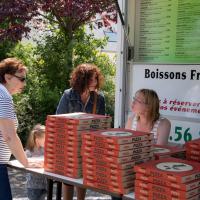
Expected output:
(13, 17)
(67, 15)
(48, 77)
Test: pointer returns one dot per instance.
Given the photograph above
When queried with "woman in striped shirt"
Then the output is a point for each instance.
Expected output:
(12, 81)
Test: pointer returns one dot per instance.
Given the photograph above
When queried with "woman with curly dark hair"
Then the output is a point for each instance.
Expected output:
(83, 96)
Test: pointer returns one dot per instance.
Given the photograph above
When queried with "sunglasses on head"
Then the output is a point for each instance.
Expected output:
(22, 79)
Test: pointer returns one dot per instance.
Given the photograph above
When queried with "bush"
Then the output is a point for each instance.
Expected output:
(50, 63)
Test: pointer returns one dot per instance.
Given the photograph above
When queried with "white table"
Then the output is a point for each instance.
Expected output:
(59, 179)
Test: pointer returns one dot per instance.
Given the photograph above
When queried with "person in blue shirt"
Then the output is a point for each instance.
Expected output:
(83, 96)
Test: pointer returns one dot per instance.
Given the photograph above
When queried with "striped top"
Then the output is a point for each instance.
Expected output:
(6, 112)
(154, 129)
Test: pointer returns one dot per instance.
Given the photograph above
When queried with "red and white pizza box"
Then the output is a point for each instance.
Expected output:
(107, 171)
(193, 158)
(63, 150)
(64, 168)
(117, 147)
(165, 182)
(161, 151)
(75, 174)
(64, 161)
(67, 146)
(89, 162)
(79, 118)
(149, 188)
(109, 152)
(110, 188)
(158, 196)
(62, 132)
(111, 177)
(66, 164)
(107, 181)
(66, 154)
(52, 163)
(54, 137)
(170, 169)
(102, 157)
(52, 158)
(177, 186)
(117, 136)
(193, 152)
(77, 127)
(194, 144)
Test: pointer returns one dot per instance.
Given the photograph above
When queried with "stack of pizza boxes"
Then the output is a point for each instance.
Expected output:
(169, 179)
(109, 157)
(63, 141)
(164, 151)
(193, 150)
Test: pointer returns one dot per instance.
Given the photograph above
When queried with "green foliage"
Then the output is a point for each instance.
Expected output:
(49, 64)
(87, 49)
(5, 48)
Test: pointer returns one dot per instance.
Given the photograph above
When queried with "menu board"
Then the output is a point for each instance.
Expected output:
(167, 31)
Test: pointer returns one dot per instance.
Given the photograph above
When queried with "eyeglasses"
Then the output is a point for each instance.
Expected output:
(137, 100)
(22, 79)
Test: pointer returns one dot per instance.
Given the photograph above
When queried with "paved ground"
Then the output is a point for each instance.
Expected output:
(18, 181)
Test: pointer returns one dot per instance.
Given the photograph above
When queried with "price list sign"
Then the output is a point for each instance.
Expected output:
(167, 31)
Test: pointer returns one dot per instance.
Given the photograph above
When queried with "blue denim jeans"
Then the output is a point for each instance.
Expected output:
(36, 194)
(5, 191)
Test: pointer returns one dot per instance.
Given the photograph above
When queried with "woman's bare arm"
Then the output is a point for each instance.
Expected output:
(129, 122)
(164, 128)
(7, 129)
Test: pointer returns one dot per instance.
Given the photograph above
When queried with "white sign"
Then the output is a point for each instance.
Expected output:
(183, 131)
(178, 87)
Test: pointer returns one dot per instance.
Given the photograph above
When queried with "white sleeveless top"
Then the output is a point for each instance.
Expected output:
(154, 129)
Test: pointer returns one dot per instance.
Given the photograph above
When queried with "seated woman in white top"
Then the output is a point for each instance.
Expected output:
(146, 116)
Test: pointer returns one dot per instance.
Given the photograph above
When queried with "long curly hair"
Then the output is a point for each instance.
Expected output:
(81, 76)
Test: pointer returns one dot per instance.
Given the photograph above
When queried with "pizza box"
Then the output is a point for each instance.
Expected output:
(195, 144)
(79, 118)
(148, 188)
(117, 179)
(194, 152)
(161, 151)
(159, 196)
(89, 162)
(97, 170)
(109, 152)
(117, 147)
(102, 157)
(170, 169)
(177, 186)
(65, 173)
(108, 187)
(117, 136)
(108, 181)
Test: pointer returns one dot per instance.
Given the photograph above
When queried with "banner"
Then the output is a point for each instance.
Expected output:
(178, 88)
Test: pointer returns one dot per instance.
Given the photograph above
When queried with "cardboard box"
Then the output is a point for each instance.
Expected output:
(170, 169)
